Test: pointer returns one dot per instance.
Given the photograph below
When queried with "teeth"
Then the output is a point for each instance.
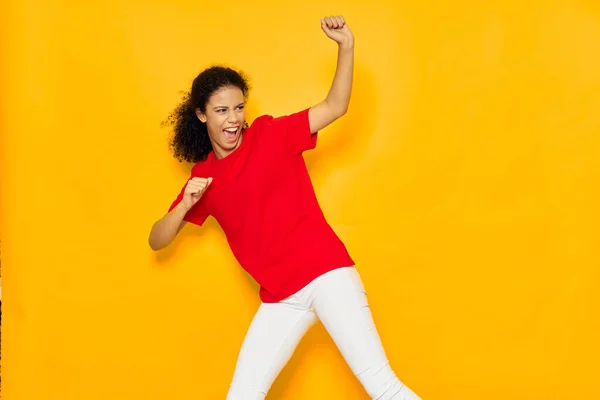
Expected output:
(231, 130)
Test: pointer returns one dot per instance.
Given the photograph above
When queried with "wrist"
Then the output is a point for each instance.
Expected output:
(181, 208)
(346, 45)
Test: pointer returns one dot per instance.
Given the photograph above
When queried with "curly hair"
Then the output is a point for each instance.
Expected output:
(190, 141)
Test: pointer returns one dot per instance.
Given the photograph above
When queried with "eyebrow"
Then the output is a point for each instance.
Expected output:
(214, 108)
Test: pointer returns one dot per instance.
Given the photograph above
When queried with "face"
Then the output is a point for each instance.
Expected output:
(224, 118)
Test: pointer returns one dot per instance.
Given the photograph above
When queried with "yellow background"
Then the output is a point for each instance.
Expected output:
(464, 181)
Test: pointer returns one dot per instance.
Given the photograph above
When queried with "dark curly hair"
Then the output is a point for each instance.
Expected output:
(190, 141)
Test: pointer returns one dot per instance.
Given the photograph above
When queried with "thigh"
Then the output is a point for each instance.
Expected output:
(341, 304)
(272, 337)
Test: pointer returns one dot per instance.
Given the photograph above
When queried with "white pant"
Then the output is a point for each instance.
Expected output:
(339, 300)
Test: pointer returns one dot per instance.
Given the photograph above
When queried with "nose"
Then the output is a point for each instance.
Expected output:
(232, 116)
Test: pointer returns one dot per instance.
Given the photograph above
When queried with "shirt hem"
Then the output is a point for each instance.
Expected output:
(299, 284)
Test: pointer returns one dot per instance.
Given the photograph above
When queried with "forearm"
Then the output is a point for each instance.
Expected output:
(338, 97)
(165, 229)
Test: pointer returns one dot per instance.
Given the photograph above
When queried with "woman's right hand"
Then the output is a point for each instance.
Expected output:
(194, 190)
(165, 229)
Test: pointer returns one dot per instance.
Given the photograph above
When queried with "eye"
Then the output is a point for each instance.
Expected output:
(220, 110)
(240, 107)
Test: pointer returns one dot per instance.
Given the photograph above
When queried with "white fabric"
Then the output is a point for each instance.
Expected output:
(338, 299)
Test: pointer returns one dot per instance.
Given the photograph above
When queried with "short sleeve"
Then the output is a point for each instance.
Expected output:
(295, 132)
(197, 214)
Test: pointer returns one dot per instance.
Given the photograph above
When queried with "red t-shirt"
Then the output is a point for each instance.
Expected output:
(263, 199)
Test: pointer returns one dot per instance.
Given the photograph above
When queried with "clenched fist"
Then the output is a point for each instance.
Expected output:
(337, 29)
(194, 190)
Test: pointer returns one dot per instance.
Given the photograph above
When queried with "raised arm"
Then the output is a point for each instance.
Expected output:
(336, 103)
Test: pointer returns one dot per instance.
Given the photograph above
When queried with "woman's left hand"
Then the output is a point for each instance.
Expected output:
(336, 29)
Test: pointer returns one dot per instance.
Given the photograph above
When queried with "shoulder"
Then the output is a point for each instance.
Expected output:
(259, 126)
(267, 121)
(261, 121)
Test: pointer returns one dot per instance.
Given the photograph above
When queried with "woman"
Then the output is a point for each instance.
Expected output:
(254, 182)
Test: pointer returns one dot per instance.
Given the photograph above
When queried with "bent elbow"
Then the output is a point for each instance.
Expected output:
(153, 245)
(153, 241)
(339, 111)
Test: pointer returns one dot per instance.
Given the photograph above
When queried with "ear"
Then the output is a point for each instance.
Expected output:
(201, 116)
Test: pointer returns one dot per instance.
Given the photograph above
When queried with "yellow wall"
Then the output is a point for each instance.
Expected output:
(464, 181)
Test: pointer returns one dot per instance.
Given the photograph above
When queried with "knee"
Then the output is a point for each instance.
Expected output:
(240, 391)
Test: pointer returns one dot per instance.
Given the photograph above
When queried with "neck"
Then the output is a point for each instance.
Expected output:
(220, 153)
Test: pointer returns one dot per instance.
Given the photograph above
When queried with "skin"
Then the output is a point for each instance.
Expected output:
(225, 110)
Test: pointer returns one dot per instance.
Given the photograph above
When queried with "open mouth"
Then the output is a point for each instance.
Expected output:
(231, 133)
